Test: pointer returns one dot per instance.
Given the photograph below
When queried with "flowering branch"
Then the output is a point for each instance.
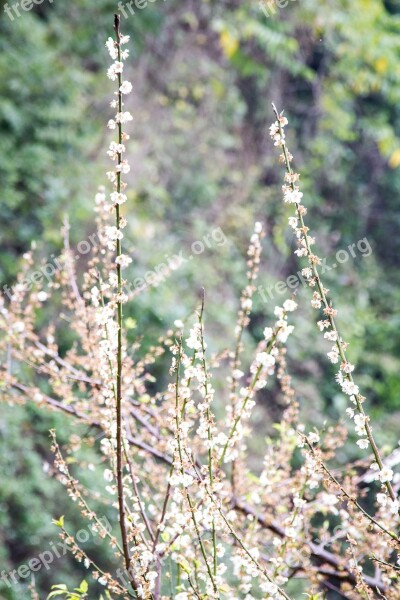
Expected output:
(350, 498)
(262, 367)
(292, 195)
(184, 478)
(116, 154)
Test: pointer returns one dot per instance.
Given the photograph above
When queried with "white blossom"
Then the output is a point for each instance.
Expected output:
(123, 260)
(289, 305)
(385, 475)
(126, 87)
(363, 443)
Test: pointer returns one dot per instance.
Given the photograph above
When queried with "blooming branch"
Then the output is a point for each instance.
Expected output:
(292, 195)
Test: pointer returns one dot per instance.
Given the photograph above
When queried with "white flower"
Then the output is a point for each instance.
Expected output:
(330, 335)
(386, 474)
(264, 359)
(113, 233)
(100, 197)
(301, 252)
(307, 272)
(381, 499)
(298, 502)
(339, 378)
(118, 198)
(292, 196)
(123, 167)
(393, 506)
(360, 420)
(268, 333)
(313, 437)
(42, 296)
(269, 587)
(111, 124)
(274, 129)
(187, 480)
(283, 334)
(363, 443)
(113, 51)
(111, 74)
(289, 305)
(108, 475)
(126, 87)
(333, 356)
(112, 176)
(350, 388)
(237, 374)
(123, 117)
(247, 304)
(258, 227)
(124, 39)
(115, 149)
(123, 260)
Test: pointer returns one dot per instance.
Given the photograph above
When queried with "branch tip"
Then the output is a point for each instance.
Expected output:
(116, 23)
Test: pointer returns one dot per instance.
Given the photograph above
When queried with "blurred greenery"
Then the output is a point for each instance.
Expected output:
(204, 75)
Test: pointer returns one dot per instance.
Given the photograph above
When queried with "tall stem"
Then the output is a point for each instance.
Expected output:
(119, 440)
(327, 306)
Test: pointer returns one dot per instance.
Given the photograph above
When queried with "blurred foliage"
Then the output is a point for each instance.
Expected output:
(30, 498)
(204, 75)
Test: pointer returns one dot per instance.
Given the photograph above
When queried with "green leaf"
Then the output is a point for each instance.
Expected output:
(83, 587)
(58, 590)
(60, 522)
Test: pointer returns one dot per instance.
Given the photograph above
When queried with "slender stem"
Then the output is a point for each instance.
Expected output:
(209, 432)
(119, 441)
(283, 547)
(182, 469)
(358, 398)
(243, 320)
(94, 565)
(270, 346)
(142, 507)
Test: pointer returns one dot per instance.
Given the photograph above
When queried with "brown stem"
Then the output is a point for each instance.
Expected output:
(119, 440)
